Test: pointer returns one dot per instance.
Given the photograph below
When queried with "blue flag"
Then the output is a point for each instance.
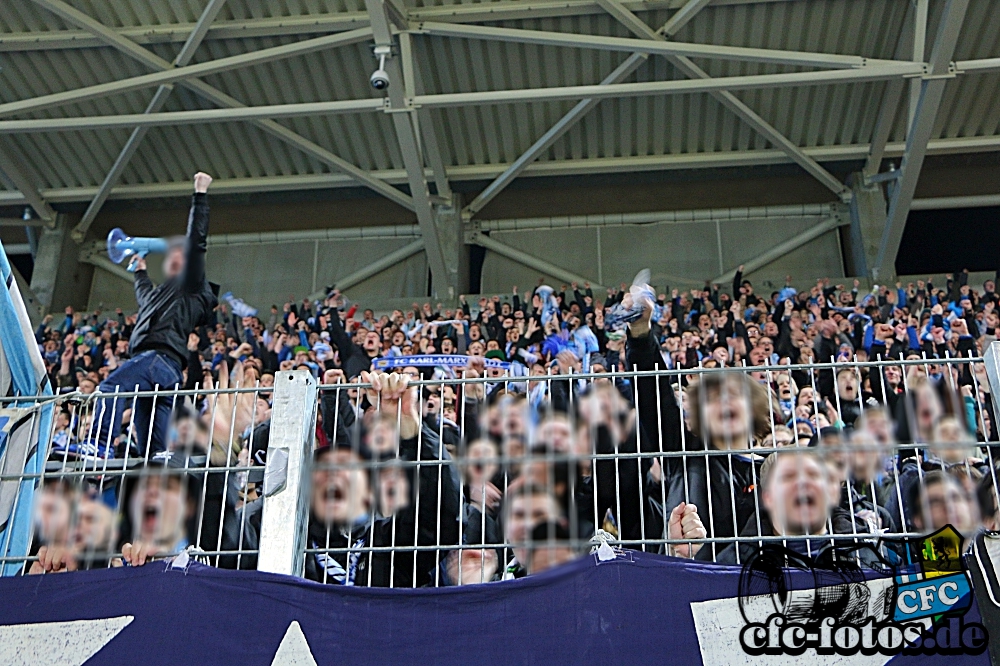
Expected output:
(24, 424)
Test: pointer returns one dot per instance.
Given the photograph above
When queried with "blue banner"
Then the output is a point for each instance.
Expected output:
(433, 360)
(634, 609)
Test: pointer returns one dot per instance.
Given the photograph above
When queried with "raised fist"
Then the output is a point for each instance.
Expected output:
(201, 182)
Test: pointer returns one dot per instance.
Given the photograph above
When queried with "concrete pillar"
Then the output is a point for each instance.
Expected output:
(59, 279)
(868, 212)
(448, 220)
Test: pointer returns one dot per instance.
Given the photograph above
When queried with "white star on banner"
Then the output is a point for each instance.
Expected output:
(294, 649)
(57, 643)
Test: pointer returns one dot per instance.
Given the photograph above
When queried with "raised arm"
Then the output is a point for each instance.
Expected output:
(659, 417)
(197, 235)
(143, 285)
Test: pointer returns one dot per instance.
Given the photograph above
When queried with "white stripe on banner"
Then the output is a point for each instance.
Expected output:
(24, 427)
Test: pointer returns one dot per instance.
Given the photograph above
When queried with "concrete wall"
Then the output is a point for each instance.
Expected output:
(273, 273)
(678, 255)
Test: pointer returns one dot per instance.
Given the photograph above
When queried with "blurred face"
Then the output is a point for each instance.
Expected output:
(797, 495)
(262, 411)
(780, 438)
(726, 415)
(382, 437)
(393, 490)
(866, 457)
(95, 526)
(557, 435)
(524, 514)
(928, 408)
(784, 389)
(847, 386)
(372, 342)
(340, 488)
(878, 426)
(173, 262)
(946, 503)
(806, 396)
(949, 431)
(158, 509)
(52, 516)
(482, 461)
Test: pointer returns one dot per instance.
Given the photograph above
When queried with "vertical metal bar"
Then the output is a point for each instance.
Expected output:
(991, 358)
(986, 435)
(286, 506)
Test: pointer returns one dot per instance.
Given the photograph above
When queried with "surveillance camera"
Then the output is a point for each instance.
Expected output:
(380, 79)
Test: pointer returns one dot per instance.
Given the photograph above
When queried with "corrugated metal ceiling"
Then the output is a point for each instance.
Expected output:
(695, 124)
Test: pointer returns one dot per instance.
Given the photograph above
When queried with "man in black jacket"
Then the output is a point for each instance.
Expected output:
(158, 347)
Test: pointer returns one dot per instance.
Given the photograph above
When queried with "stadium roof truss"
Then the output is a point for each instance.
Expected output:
(102, 100)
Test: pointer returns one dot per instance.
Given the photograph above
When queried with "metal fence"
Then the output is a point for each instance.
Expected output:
(167, 469)
(508, 469)
(459, 478)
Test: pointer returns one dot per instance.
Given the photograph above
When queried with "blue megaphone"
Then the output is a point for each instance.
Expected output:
(122, 246)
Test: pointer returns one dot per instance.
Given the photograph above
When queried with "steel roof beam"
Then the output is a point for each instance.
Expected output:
(446, 100)
(222, 99)
(583, 107)
(919, 134)
(680, 19)
(423, 121)
(409, 147)
(187, 52)
(18, 175)
(593, 166)
(312, 24)
(175, 74)
(888, 108)
(919, 51)
(602, 42)
(726, 98)
(177, 33)
(553, 134)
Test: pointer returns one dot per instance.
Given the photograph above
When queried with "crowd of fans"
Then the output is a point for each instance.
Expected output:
(449, 483)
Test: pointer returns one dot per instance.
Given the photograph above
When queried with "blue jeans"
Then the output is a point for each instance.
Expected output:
(144, 372)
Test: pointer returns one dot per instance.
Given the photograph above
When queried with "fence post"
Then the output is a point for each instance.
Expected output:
(286, 476)
(991, 357)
